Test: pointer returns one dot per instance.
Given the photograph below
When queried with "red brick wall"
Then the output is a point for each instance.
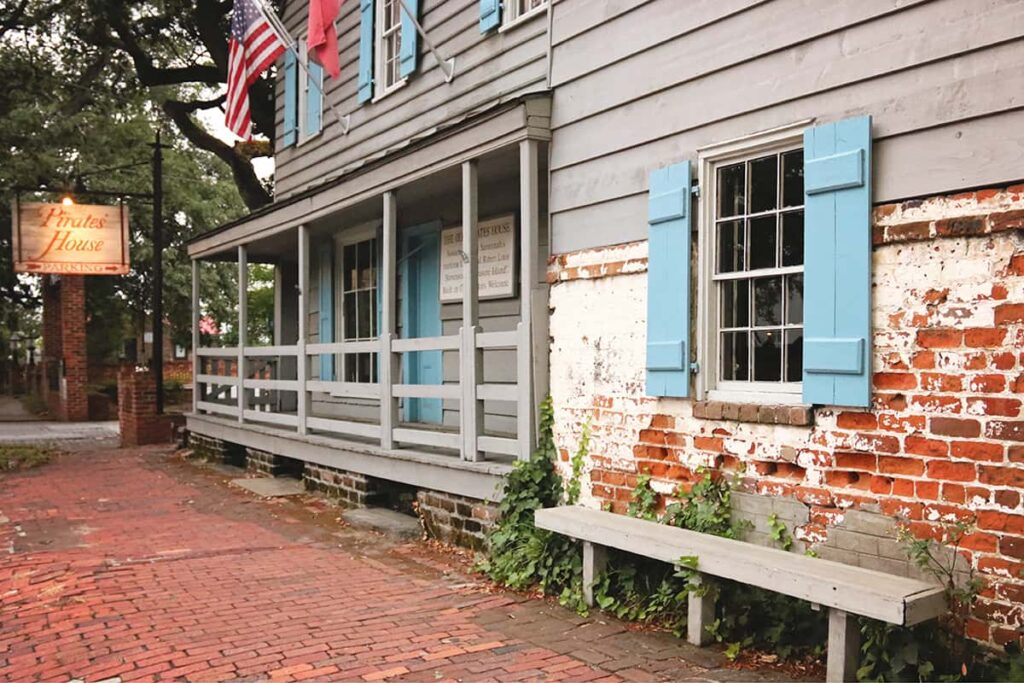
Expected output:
(944, 439)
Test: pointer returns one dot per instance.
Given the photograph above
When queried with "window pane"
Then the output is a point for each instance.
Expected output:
(764, 184)
(767, 301)
(767, 356)
(363, 365)
(736, 303)
(735, 356)
(731, 182)
(793, 178)
(793, 238)
(373, 367)
(762, 242)
(351, 371)
(373, 314)
(348, 280)
(364, 327)
(731, 245)
(794, 299)
(349, 313)
(794, 355)
(365, 264)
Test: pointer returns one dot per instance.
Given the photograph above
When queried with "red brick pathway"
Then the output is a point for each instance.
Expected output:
(131, 564)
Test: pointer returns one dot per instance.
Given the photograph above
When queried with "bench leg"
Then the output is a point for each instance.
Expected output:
(595, 559)
(700, 611)
(843, 646)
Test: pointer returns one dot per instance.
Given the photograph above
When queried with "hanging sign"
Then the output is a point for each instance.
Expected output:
(496, 248)
(77, 239)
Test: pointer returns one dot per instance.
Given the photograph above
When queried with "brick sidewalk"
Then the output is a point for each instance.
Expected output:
(132, 564)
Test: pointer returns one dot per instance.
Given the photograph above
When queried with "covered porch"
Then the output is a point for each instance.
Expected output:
(409, 332)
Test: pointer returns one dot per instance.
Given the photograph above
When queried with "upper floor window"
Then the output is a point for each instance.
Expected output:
(389, 46)
(753, 255)
(515, 10)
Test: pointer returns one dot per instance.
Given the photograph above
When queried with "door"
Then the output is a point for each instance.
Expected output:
(421, 273)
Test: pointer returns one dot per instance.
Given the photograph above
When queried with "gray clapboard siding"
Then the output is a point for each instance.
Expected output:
(941, 80)
(902, 103)
(489, 68)
(718, 38)
(866, 51)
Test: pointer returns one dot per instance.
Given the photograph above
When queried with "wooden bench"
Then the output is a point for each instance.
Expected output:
(843, 589)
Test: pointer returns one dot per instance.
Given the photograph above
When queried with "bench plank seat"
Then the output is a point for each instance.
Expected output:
(844, 589)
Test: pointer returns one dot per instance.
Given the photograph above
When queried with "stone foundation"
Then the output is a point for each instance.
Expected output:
(216, 450)
(270, 465)
(351, 489)
(456, 519)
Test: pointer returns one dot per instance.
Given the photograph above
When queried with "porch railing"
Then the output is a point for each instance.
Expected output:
(218, 382)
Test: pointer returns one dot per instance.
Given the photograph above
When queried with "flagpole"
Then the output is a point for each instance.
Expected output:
(275, 23)
(447, 65)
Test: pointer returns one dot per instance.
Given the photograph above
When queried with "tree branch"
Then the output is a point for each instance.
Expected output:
(254, 194)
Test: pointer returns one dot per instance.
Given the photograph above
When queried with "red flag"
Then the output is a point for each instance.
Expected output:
(323, 37)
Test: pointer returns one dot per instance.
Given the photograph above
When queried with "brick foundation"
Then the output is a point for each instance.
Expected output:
(351, 489)
(456, 519)
(136, 410)
(268, 464)
(211, 449)
(944, 439)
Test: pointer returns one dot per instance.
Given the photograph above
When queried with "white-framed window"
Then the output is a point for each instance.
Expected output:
(515, 11)
(357, 259)
(311, 93)
(751, 263)
(388, 28)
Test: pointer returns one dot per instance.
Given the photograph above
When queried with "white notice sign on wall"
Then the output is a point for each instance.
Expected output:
(496, 251)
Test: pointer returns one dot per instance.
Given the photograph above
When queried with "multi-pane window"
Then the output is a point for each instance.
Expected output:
(758, 268)
(389, 27)
(515, 9)
(359, 308)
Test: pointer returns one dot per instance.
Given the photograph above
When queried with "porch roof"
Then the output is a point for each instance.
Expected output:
(468, 137)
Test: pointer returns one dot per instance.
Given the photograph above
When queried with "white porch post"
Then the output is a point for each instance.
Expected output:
(470, 358)
(529, 202)
(243, 323)
(302, 360)
(388, 366)
(196, 360)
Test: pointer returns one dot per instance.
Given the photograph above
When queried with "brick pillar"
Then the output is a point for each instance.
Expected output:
(76, 364)
(136, 409)
(52, 347)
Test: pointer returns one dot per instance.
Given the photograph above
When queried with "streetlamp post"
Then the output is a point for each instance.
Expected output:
(158, 272)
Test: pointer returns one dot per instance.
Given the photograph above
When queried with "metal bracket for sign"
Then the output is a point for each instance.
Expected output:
(695, 191)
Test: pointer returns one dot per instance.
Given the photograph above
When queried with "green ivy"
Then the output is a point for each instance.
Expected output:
(645, 501)
(520, 555)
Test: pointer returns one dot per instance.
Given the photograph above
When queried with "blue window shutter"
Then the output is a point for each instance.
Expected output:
(668, 282)
(490, 15)
(837, 263)
(409, 49)
(291, 97)
(365, 92)
(326, 309)
(314, 98)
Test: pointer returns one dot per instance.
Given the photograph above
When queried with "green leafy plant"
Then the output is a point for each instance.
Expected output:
(779, 532)
(520, 555)
(706, 507)
(572, 488)
(645, 501)
(23, 457)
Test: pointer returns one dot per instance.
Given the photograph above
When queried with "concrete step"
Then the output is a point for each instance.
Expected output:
(385, 521)
(271, 487)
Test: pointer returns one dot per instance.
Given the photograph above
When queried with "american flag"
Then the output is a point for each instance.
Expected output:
(252, 48)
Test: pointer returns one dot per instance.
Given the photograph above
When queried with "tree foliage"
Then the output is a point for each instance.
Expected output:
(79, 118)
